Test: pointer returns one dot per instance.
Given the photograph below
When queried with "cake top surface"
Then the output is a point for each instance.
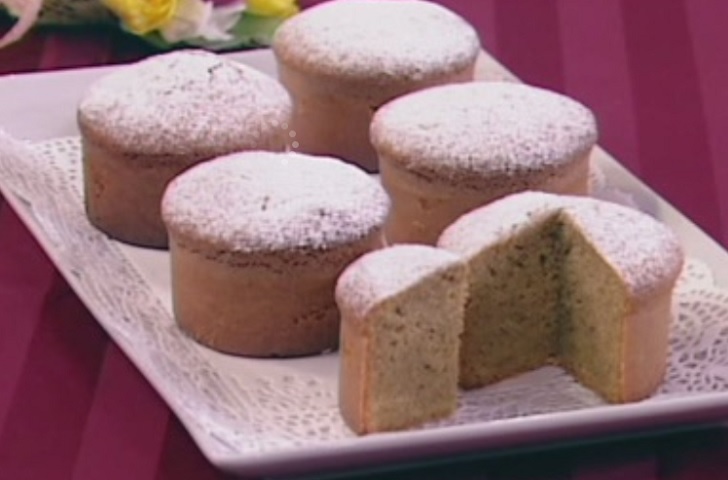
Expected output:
(480, 129)
(642, 250)
(268, 202)
(185, 102)
(377, 39)
(382, 274)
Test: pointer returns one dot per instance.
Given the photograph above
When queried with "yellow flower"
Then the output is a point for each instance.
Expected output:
(142, 16)
(272, 8)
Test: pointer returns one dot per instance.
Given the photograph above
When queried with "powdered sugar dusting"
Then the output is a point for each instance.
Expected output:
(645, 252)
(384, 273)
(186, 102)
(265, 201)
(373, 38)
(477, 130)
(499, 220)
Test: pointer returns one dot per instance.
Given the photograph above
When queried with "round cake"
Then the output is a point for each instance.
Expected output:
(257, 241)
(579, 282)
(342, 60)
(448, 149)
(147, 122)
(402, 317)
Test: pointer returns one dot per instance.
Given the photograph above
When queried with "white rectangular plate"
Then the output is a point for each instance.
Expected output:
(276, 417)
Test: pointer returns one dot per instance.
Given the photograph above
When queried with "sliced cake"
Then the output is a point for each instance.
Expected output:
(574, 281)
(402, 315)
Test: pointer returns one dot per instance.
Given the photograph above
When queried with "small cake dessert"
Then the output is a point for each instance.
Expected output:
(147, 122)
(402, 315)
(342, 60)
(449, 149)
(257, 241)
(575, 281)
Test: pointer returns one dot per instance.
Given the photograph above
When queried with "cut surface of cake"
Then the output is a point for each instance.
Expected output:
(574, 281)
(402, 314)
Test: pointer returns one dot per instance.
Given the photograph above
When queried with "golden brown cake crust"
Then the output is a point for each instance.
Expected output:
(258, 240)
(129, 214)
(252, 310)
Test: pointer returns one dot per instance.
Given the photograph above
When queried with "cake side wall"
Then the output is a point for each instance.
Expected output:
(354, 368)
(123, 196)
(250, 311)
(646, 347)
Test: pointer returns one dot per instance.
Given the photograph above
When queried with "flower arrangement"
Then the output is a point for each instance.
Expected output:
(211, 24)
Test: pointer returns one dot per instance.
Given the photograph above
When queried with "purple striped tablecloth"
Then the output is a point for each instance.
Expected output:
(656, 74)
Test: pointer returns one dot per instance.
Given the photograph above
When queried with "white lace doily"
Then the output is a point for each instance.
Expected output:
(274, 405)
